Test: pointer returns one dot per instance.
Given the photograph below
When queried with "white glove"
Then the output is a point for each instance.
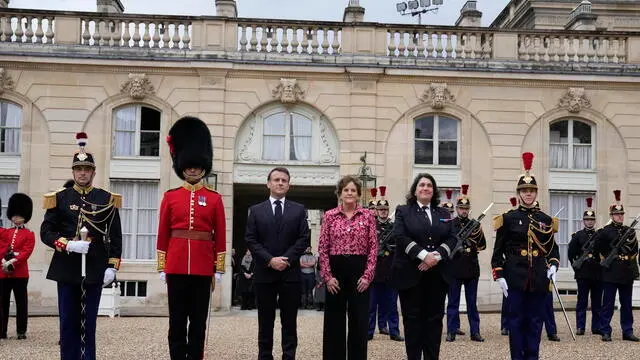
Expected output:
(218, 276)
(78, 246)
(163, 276)
(504, 286)
(551, 273)
(7, 264)
(109, 276)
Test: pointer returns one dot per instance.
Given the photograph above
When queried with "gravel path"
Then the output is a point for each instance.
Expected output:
(234, 337)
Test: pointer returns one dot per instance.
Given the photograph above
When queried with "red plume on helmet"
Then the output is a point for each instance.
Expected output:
(513, 201)
(527, 161)
(589, 202)
(81, 139)
(383, 190)
(616, 194)
(464, 189)
(616, 207)
(171, 149)
(374, 192)
(449, 193)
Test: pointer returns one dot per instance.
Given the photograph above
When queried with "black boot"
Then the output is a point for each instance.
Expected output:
(451, 337)
(553, 337)
(630, 337)
(606, 337)
(505, 332)
(477, 337)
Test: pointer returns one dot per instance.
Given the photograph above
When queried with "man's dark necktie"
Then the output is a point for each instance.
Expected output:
(426, 216)
(278, 212)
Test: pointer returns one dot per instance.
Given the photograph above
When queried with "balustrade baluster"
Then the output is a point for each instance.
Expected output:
(305, 41)
(430, 46)
(420, 44)
(39, 34)
(253, 43)
(7, 29)
(175, 39)
(295, 44)
(314, 40)
(459, 50)
(622, 50)
(284, 44)
(411, 45)
(186, 38)
(335, 41)
(439, 44)
(263, 38)
(19, 32)
(401, 45)
(156, 35)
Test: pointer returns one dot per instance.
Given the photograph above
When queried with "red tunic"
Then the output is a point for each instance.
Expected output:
(191, 231)
(23, 244)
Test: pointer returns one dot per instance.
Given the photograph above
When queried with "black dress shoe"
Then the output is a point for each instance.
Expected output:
(580, 332)
(606, 337)
(451, 337)
(397, 338)
(630, 337)
(505, 332)
(553, 337)
(22, 336)
(370, 337)
(459, 332)
(477, 337)
(384, 331)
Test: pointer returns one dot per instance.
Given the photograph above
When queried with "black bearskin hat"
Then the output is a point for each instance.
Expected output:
(20, 204)
(190, 146)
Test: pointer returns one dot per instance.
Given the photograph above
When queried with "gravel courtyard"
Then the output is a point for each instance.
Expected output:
(233, 336)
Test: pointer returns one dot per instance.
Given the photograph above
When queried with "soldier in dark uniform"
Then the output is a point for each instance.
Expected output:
(464, 269)
(620, 275)
(384, 298)
(504, 312)
(71, 213)
(525, 257)
(588, 275)
(191, 238)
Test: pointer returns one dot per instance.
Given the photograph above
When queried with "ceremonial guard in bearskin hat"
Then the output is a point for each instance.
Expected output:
(82, 224)
(191, 238)
(16, 246)
(587, 272)
(384, 298)
(617, 247)
(464, 269)
(525, 258)
(504, 312)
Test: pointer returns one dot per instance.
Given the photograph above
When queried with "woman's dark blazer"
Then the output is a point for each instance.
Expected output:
(414, 234)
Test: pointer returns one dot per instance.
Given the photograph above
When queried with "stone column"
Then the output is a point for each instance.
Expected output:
(226, 8)
(470, 15)
(4, 3)
(353, 12)
(110, 6)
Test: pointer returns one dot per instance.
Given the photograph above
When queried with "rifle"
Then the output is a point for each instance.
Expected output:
(469, 228)
(587, 249)
(615, 249)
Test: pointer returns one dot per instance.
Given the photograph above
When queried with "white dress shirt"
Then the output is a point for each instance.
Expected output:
(423, 254)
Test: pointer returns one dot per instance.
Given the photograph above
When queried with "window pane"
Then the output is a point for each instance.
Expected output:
(300, 141)
(275, 124)
(559, 156)
(10, 124)
(142, 288)
(559, 201)
(145, 247)
(273, 147)
(448, 129)
(582, 157)
(581, 133)
(8, 187)
(150, 119)
(149, 144)
(423, 152)
(130, 288)
(126, 118)
(559, 132)
(448, 153)
(424, 128)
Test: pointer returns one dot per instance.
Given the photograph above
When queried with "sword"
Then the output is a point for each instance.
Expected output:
(83, 298)
(563, 310)
(559, 211)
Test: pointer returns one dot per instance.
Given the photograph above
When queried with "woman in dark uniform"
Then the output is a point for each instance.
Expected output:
(424, 238)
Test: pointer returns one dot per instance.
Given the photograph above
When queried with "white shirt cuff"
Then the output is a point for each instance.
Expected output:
(422, 254)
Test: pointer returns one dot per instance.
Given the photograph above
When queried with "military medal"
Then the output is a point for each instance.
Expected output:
(202, 200)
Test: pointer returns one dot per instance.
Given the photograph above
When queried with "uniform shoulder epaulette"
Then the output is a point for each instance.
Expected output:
(555, 224)
(210, 188)
(50, 199)
(173, 189)
(116, 200)
(498, 221)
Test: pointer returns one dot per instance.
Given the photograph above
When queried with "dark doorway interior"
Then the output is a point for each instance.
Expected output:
(245, 195)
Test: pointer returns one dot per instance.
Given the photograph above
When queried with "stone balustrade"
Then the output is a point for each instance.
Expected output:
(309, 41)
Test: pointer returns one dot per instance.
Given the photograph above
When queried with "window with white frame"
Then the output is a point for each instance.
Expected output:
(10, 125)
(8, 187)
(436, 140)
(136, 131)
(570, 218)
(571, 145)
(139, 217)
(132, 288)
(287, 135)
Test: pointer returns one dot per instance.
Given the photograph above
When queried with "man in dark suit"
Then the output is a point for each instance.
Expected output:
(277, 234)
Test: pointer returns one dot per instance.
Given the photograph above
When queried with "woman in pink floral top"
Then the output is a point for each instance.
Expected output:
(348, 250)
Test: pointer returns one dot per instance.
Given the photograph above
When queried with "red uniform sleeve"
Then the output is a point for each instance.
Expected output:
(220, 236)
(164, 232)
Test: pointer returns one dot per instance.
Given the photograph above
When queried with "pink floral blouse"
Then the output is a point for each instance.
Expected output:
(340, 235)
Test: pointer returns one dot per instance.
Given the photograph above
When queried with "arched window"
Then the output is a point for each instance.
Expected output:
(287, 135)
(571, 145)
(10, 126)
(136, 131)
(436, 140)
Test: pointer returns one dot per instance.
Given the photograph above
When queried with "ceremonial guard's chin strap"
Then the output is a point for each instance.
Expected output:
(193, 179)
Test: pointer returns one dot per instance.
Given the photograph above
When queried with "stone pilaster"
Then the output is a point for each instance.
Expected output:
(353, 12)
(226, 8)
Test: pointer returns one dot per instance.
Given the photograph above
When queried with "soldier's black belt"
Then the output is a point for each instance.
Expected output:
(191, 234)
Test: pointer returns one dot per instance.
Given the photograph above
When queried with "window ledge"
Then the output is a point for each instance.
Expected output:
(577, 171)
(573, 180)
(288, 163)
(136, 158)
(10, 164)
(445, 175)
(428, 166)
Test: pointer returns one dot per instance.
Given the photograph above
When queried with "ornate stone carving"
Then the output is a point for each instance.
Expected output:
(138, 86)
(437, 95)
(6, 82)
(328, 155)
(288, 91)
(574, 100)
(245, 151)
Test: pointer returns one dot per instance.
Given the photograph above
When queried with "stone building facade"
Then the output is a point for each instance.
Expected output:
(461, 103)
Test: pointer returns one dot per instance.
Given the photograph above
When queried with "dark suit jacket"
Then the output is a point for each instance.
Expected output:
(267, 240)
(414, 234)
